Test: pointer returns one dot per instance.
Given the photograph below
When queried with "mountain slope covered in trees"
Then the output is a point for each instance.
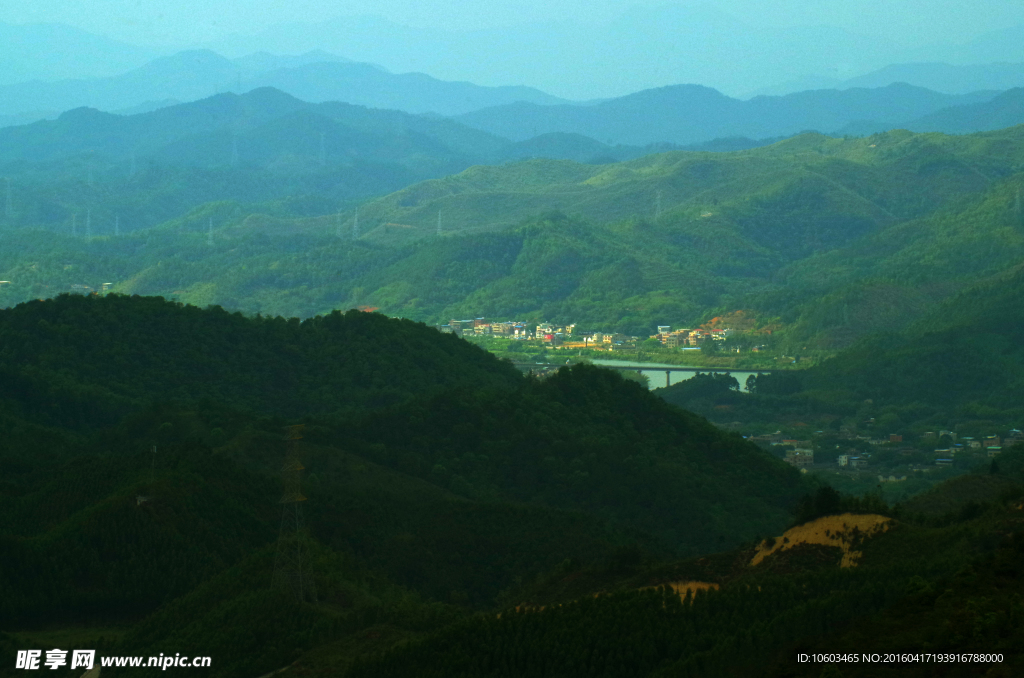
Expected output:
(837, 238)
(142, 442)
(103, 173)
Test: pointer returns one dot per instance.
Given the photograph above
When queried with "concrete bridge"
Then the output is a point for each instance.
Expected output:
(654, 368)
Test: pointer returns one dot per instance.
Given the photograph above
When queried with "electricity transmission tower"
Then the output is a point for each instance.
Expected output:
(142, 499)
(355, 226)
(291, 567)
(439, 222)
(8, 207)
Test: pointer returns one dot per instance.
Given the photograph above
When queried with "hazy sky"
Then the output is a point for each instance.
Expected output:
(184, 22)
(737, 46)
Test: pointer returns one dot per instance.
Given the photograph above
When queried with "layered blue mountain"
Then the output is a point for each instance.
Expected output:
(649, 46)
(949, 78)
(1005, 110)
(316, 76)
(133, 171)
(686, 114)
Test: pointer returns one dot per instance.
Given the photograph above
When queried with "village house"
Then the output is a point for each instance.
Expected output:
(849, 461)
(800, 458)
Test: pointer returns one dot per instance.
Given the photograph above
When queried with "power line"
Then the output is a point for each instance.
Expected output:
(291, 564)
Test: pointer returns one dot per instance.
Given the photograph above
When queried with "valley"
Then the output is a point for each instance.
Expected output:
(312, 364)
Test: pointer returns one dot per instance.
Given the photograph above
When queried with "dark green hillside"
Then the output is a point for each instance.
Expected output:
(959, 366)
(603, 446)
(754, 626)
(965, 351)
(582, 440)
(80, 545)
(83, 360)
(917, 588)
(140, 491)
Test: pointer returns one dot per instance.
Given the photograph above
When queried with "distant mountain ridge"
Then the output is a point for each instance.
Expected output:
(644, 46)
(943, 77)
(938, 76)
(1005, 110)
(156, 124)
(133, 171)
(315, 76)
(687, 114)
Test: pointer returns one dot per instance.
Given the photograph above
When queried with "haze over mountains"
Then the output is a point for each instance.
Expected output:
(937, 76)
(704, 45)
(181, 238)
(691, 113)
(55, 51)
(646, 46)
(680, 114)
(314, 76)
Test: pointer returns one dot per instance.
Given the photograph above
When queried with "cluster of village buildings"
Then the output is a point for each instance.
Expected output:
(802, 453)
(570, 336)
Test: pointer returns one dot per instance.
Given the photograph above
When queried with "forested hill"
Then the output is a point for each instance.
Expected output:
(837, 237)
(816, 191)
(85, 360)
(141, 443)
(89, 167)
(955, 364)
(427, 403)
(960, 362)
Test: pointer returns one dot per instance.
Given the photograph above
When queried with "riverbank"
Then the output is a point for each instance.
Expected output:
(523, 351)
